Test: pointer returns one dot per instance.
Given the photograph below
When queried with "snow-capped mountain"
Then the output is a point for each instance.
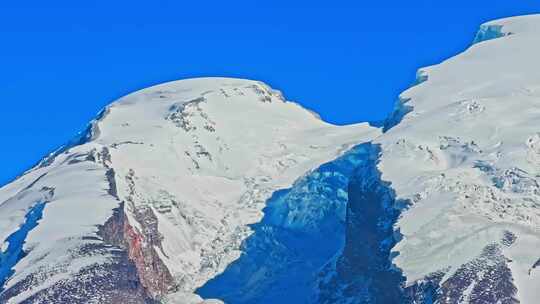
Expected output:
(219, 190)
(452, 198)
(156, 197)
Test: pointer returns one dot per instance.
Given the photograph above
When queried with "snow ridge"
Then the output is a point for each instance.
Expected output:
(464, 157)
(161, 190)
(208, 185)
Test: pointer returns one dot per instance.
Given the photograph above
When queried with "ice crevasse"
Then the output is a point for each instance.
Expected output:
(220, 190)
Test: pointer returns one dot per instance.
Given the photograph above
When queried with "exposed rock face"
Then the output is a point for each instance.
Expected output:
(140, 249)
(485, 279)
(138, 245)
(116, 281)
(132, 271)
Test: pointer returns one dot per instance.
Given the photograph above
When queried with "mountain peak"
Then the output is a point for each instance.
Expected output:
(172, 176)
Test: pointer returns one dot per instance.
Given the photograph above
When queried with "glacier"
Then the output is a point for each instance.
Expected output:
(461, 158)
(281, 260)
(162, 190)
(219, 190)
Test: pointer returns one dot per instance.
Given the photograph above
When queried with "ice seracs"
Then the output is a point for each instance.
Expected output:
(219, 189)
(465, 156)
(162, 189)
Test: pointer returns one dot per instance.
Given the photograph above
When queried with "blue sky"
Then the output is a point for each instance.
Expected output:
(62, 61)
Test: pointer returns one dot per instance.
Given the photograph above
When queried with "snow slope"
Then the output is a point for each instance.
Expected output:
(467, 158)
(186, 165)
(445, 208)
(220, 188)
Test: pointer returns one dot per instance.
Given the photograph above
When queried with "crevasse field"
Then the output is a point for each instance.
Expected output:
(218, 190)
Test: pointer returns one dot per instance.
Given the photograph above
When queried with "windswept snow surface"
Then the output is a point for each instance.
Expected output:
(219, 186)
(199, 156)
(468, 159)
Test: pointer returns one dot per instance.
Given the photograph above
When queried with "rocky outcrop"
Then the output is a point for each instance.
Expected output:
(116, 281)
(425, 291)
(140, 249)
(486, 279)
(483, 280)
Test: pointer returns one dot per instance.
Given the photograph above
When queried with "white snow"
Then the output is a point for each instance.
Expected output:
(205, 154)
(467, 157)
(219, 177)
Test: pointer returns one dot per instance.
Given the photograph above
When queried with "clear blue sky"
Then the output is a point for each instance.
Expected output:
(62, 61)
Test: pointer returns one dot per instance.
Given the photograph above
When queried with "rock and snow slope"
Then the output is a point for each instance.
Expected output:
(173, 191)
(461, 157)
(186, 166)
(467, 159)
